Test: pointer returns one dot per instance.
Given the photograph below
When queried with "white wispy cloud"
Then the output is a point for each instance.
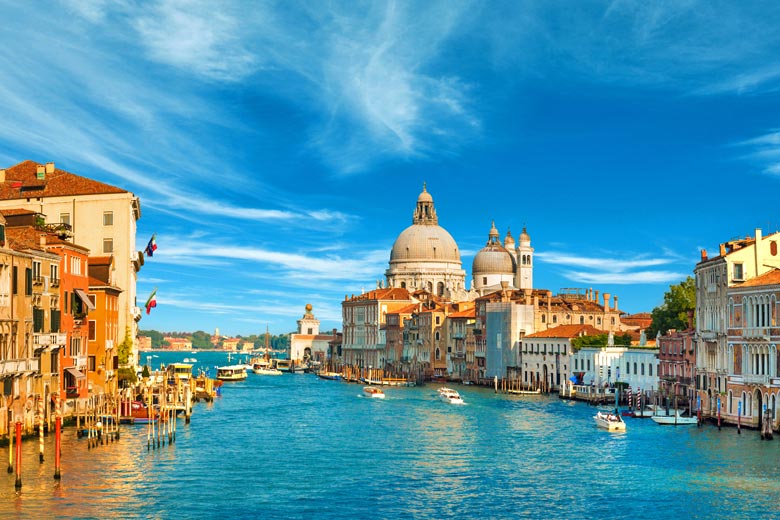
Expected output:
(613, 264)
(624, 278)
(763, 151)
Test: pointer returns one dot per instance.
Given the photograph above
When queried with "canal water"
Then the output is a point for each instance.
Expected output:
(295, 446)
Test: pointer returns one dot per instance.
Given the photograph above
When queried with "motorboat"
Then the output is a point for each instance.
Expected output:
(264, 369)
(610, 421)
(449, 395)
(231, 373)
(674, 420)
(331, 376)
(373, 392)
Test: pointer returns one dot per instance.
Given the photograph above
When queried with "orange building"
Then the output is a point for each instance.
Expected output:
(76, 304)
(103, 323)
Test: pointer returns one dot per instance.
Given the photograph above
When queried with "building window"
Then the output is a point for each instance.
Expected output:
(438, 321)
(542, 318)
(437, 335)
(582, 320)
(65, 218)
(310, 331)
(555, 319)
(108, 245)
(92, 330)
(54, 274)
(108, 218)
(484, 280)
(91, 363)
(738, 274)
(642, 366)
(75, 347)
(28, 281)
(650, 369)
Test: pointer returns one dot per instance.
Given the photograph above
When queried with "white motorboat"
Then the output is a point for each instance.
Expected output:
(610, 421)
(449, 395)
(373, 392)
(231, 373)
(674, 420)
(265, 370)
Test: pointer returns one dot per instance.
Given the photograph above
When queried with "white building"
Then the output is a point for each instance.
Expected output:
(307, 343)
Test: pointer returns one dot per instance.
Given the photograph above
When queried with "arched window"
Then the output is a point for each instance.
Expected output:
(437, 335)
(555, 319)
(731, 396)
(582, 320)
(403, 285)
(440, 289)
(438, 353)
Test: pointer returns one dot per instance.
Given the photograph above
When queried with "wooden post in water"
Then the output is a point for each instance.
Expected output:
(10, 441)
(41, 419)
(18, 484)
(57, 438)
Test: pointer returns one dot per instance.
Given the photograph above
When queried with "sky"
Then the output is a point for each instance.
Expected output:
(278, 148)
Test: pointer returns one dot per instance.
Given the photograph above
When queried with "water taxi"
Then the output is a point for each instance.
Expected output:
(331, 376)
(610, 421)
(449, 395)
(182, 371)
(231, 373)
(373, 392)
(265, 369)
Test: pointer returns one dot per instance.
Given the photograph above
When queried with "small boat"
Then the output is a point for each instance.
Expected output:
(525, 392)
(388, 381)
(231, 373)
(674, 420)
(610, 421)
(265, 370)
(371, 391)
(449, 395)
(331, 376)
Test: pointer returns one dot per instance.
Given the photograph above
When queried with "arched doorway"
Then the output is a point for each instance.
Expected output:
(758, 401)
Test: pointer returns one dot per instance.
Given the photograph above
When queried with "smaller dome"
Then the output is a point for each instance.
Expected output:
(509, 241)
(524, 236)
(493, 258)
(424, 196)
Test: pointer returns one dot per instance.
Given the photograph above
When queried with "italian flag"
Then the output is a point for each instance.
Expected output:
(151, 302)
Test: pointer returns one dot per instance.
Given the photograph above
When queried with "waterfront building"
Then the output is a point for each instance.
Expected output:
(753, 381)
(546, 356)
(394, 336)
(144, 343)
(178, 343)
(738, 262)
(637, 366)
(458, 326)
(103, 333)
(426, 257)
(364, 318)
(307, 343)
(101, 218)
(677, 362)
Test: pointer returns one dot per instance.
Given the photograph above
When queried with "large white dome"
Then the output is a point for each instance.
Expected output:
(424, 242)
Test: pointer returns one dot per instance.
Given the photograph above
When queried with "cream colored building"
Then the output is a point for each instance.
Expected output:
(738, 261)
(307, 343)
(101, 217)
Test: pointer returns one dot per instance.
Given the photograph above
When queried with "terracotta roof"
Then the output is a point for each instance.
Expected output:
(770, 278)
(568, 331)
(16, 211)
(388, 293)
(56, 184)
(100, 260)
(409, 309)
(468, 313)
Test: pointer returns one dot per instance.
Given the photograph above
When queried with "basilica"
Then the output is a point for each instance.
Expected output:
(426, 257)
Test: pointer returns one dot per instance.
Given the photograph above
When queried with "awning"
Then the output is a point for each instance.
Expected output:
(85, 299)
(75, 373)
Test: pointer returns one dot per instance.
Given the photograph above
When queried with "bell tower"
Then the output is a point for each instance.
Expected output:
(525, 262)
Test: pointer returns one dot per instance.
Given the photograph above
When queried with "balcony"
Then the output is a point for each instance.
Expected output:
(749, 379)
(55, 339)
(19, 366)
(137, 313)
(756, 333)
(55, 282)
(37, 280)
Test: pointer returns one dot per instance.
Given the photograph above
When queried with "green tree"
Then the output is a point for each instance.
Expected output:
(601, 340)
(673, 312)
(201, 340)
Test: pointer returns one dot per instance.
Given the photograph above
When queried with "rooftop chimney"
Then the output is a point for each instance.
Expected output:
(616, 305)
(606, 301)
(723, 250)
(703, 255)
(40, 172)
(2, 175)
(757, 252)
(49, 168)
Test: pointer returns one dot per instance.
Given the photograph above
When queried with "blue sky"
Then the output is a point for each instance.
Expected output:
(278, 148)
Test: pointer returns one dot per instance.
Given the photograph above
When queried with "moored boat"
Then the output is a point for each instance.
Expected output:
(674, 420)
(331, 376)
(449, 395)
(610, 421)
(371, 391)
(181, 371)
(231, 373)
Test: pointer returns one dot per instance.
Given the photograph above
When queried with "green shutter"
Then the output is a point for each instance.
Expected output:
(28, 281)
(55, 321)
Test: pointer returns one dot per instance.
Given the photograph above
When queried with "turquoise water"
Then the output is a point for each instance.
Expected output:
(295, 446)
